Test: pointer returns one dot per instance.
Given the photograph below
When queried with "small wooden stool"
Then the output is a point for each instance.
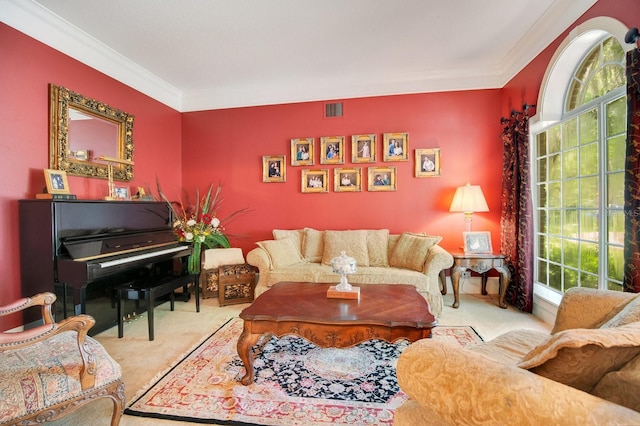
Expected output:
(236, 284)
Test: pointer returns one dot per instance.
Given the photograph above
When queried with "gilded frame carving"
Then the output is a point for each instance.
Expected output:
(60, 100)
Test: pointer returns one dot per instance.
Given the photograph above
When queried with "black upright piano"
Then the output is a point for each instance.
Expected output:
(83, 250)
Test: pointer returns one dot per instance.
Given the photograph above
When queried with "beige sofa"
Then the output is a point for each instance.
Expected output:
(382, 258)
(586, 372)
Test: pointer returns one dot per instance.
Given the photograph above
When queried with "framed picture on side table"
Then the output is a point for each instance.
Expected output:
(477, 242)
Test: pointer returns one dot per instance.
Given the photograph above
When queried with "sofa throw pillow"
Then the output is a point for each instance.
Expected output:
(353, 243)
(377, 246)
(214, 258)
(410, 251)
(295, 235)
(580, 357)
(281, 252)
(628, 314)
(312, 245)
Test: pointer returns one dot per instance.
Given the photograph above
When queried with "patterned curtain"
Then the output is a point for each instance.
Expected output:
(516, 221)
(632, 176)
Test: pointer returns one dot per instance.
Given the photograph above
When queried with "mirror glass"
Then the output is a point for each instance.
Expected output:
(82, 130)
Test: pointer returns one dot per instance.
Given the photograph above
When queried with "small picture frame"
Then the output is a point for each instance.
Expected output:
(315, 181)
(477, 242)
(395, 146)
(382, 179)
(347, 180)
(332, 150)
(274, 168)
(363, 148)
(427, 162)
(302, 151)
(56, 181)
(121, 193)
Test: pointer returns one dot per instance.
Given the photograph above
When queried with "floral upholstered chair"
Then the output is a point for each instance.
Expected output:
(48, 371)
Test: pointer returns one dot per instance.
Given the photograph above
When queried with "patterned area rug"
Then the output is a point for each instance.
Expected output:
(296, 382)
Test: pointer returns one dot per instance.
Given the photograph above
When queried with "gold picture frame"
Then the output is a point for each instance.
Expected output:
(427, 162)
(302, 151)
(363, 148)
(395, 146)
(382, 179)
(56, 181)
(332, 150)
(477, 242)
(347, 180)
(314, 181)
(274, 168)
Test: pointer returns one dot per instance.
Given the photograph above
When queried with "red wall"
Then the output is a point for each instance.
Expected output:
(26, 69)
(227, 146)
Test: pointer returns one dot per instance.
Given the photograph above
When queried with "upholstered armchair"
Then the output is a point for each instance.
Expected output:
(586, 371)
(48, 371)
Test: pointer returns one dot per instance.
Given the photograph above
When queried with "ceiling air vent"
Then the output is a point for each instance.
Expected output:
(333, 110)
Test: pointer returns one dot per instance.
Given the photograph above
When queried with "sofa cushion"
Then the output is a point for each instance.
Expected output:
(580, 357)
(295, 235)
(377, 246)
(281, 252)
(411, 251)
(353, 243)
(222, 256)
(628, 314)
(312, 245)
(621, 386)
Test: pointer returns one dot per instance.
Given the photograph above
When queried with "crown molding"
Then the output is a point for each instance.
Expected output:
(34, 20)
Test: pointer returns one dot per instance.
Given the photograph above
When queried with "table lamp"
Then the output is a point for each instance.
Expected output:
(469, 199)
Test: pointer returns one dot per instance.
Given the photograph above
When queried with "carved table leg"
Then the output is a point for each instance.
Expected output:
(505, 278)
(246, 341)
(455, 283)
(443, 282)
(483, 279)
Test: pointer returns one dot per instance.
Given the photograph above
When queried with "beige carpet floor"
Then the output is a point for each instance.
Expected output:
(178, 331)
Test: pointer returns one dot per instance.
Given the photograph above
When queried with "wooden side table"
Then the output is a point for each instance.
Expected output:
(480, 263)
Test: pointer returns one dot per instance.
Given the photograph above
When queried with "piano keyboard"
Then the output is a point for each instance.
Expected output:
(140, 257)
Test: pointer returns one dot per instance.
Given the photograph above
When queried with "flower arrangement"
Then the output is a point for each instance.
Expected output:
(198, 224)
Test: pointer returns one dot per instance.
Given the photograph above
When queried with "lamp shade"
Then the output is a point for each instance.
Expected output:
(469, 199)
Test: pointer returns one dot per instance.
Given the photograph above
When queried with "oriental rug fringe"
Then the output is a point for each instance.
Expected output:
(296, 382)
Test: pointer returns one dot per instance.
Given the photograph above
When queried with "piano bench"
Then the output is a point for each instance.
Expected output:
(149, 292)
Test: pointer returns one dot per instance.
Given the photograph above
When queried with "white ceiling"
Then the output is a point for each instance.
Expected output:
(210, 54)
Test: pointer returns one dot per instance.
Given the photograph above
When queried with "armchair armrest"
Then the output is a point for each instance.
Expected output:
(457, 384)
(588, 308)
(80, 324)
(259, 258)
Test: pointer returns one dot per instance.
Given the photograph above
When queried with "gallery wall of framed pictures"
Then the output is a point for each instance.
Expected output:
(332, 150)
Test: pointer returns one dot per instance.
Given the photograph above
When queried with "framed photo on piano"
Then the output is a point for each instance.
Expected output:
(122, 193)
(56, 181)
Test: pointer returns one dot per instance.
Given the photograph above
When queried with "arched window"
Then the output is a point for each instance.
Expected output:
(578, 172)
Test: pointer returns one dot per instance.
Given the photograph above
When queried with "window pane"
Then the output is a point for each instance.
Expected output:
(542, 221)
(611, 50)
(542, 144)
(555, 249)
(615, 189)
(616, 153)
(570, 133)
(589, 257)
(615, 259)
(570, 163)
(606, 79)
(589, 159)
(543, 276)
(555, 194)
(615, 223)
(570, 226)
(588, 281)
(570, 279)
(614, 286)
(555, 277)
(571, 254)
(588, 126)
(570, 194)
(589, 225)
(555, 222)
(542, 169)
(555, 167)
(554, 139)
(542, 246)
(589, 192)
(617, 117)
(542, 195)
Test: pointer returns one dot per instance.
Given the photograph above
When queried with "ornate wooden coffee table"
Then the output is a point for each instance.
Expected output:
(385, 311)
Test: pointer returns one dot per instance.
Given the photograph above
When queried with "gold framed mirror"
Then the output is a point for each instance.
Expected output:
(81, 130)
